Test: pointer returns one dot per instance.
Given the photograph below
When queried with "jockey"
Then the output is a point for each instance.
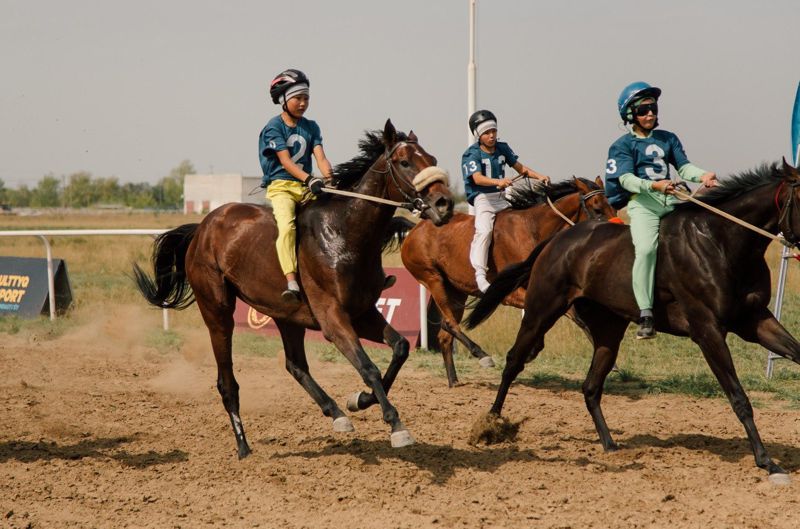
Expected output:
(483, 170)
(285, 147)
(637, 174)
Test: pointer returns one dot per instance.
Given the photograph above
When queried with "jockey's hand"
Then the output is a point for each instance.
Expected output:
(545, 180)
(316, 185)
(709, 180)
(664, 186)
(504, 183)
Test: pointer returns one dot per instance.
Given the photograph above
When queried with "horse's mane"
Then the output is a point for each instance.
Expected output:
(738, 184)
(347, 174)
(525, 196)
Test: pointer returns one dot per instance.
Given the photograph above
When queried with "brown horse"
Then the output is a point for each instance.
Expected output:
(711, 279)
(439, 256)
(231, 254)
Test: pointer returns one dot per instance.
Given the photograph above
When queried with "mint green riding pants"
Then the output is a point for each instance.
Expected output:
(645, 211)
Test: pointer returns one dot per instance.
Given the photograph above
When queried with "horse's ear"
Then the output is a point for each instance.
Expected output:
(389, 133)
(789, 170)
(580, 185)
(598, 181)
(412, 136)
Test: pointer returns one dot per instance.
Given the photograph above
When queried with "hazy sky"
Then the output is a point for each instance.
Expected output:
(129, 89)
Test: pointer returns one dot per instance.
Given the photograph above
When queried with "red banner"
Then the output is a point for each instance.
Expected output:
(399, 305)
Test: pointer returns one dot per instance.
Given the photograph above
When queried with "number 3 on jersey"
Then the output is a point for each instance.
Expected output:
(611, 166)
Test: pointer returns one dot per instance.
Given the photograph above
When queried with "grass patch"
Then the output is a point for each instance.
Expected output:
(165, 341)
(251, 344)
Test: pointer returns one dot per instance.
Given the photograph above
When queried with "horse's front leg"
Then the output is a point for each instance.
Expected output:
(373, 326)
(709, 336)
(763, 328)
(337, 328)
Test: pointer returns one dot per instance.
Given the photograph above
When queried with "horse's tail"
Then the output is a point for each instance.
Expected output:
(395, 234)
(169, 289)
(511, 278)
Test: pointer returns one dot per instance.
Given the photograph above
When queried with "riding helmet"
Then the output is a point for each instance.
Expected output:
(285, 80)
(479, 117)
(634, 92)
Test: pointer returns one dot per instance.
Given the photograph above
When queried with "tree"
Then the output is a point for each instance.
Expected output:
(46, 193)
(169, 190)
(80, 191)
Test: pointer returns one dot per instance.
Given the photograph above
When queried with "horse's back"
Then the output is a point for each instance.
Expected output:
(235, 235)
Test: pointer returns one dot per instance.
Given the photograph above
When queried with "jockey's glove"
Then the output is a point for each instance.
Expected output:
(316, 185)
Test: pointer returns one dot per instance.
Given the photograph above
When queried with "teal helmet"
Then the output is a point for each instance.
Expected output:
(634, 92)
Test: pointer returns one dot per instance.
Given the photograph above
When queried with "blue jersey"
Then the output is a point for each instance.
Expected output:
(277, 136)
(647, 158)
(475, 160)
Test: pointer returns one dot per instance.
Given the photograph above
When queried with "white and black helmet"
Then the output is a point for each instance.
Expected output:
(481, 121)
(288, 83)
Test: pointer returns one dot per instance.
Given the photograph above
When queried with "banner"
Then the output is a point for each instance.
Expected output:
(23, 286)
(399, 305)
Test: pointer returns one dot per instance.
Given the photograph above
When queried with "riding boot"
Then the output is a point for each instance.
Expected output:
(647, 328)
(292, 293)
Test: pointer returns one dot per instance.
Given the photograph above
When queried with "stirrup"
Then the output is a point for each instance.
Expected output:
(290, 296)
(647, 328)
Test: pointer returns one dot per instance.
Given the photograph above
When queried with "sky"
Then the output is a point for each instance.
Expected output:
(130, 89)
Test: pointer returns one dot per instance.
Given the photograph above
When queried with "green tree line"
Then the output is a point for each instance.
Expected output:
(81, 189)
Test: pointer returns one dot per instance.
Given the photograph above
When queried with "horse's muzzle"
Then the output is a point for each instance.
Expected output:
(439, 209)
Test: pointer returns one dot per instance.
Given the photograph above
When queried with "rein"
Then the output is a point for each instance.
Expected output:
(412, 204)
(584, 198)
(740, 222)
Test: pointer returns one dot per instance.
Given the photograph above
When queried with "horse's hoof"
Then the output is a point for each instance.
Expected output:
(780, 479)
(352, 402)
(486, 362)
(343, 424)
(402, 438)
(244, 452)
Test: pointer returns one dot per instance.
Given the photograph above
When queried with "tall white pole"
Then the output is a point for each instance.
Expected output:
(471, 67)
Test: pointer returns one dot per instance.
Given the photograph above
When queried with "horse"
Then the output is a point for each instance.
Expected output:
(231, 254)
(711, 279)
(438, 257)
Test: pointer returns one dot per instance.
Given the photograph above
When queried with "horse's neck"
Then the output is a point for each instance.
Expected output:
(362, 223)
(756, 207)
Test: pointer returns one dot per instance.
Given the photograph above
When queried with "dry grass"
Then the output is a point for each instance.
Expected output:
(99, 270)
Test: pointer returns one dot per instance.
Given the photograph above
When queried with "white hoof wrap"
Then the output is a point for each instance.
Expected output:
(352, 401)
(486, 362)
(780, 479)
(343, 424)
(402, 438)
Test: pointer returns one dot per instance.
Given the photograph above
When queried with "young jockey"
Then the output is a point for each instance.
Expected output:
(637, 174)
(285, 147)
(482, 166)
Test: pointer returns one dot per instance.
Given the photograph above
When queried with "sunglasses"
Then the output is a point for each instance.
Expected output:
(643, 110)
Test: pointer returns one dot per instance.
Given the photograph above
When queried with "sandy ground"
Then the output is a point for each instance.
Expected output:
(97, 430)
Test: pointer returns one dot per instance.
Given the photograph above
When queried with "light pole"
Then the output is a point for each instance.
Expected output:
(471, 67)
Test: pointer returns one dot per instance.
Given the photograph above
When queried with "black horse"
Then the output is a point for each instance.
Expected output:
(231, 254)
(711, 279)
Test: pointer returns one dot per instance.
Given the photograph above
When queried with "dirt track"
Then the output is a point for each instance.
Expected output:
(108, 433)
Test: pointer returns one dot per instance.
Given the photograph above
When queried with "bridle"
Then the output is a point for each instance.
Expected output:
(785, 212)
(426, 177)
(590, 215)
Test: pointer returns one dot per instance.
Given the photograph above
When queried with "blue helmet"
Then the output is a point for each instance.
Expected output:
(631, 93)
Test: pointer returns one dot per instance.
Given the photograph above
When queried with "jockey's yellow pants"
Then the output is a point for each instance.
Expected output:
(285, 195)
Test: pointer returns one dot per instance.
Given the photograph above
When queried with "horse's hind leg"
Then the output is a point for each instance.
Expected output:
(337, 328)
(606, 331)
(451, 306)
(297, 365)
(709, 337)
(217, 303)
(373, 326)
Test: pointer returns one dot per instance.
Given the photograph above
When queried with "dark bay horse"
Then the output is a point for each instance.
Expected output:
(438, 257)
(231, 254)
(711, 279)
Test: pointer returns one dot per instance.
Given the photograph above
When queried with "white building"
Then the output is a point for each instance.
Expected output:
(205, 192)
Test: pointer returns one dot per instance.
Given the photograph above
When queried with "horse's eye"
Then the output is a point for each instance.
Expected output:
(404, 163)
